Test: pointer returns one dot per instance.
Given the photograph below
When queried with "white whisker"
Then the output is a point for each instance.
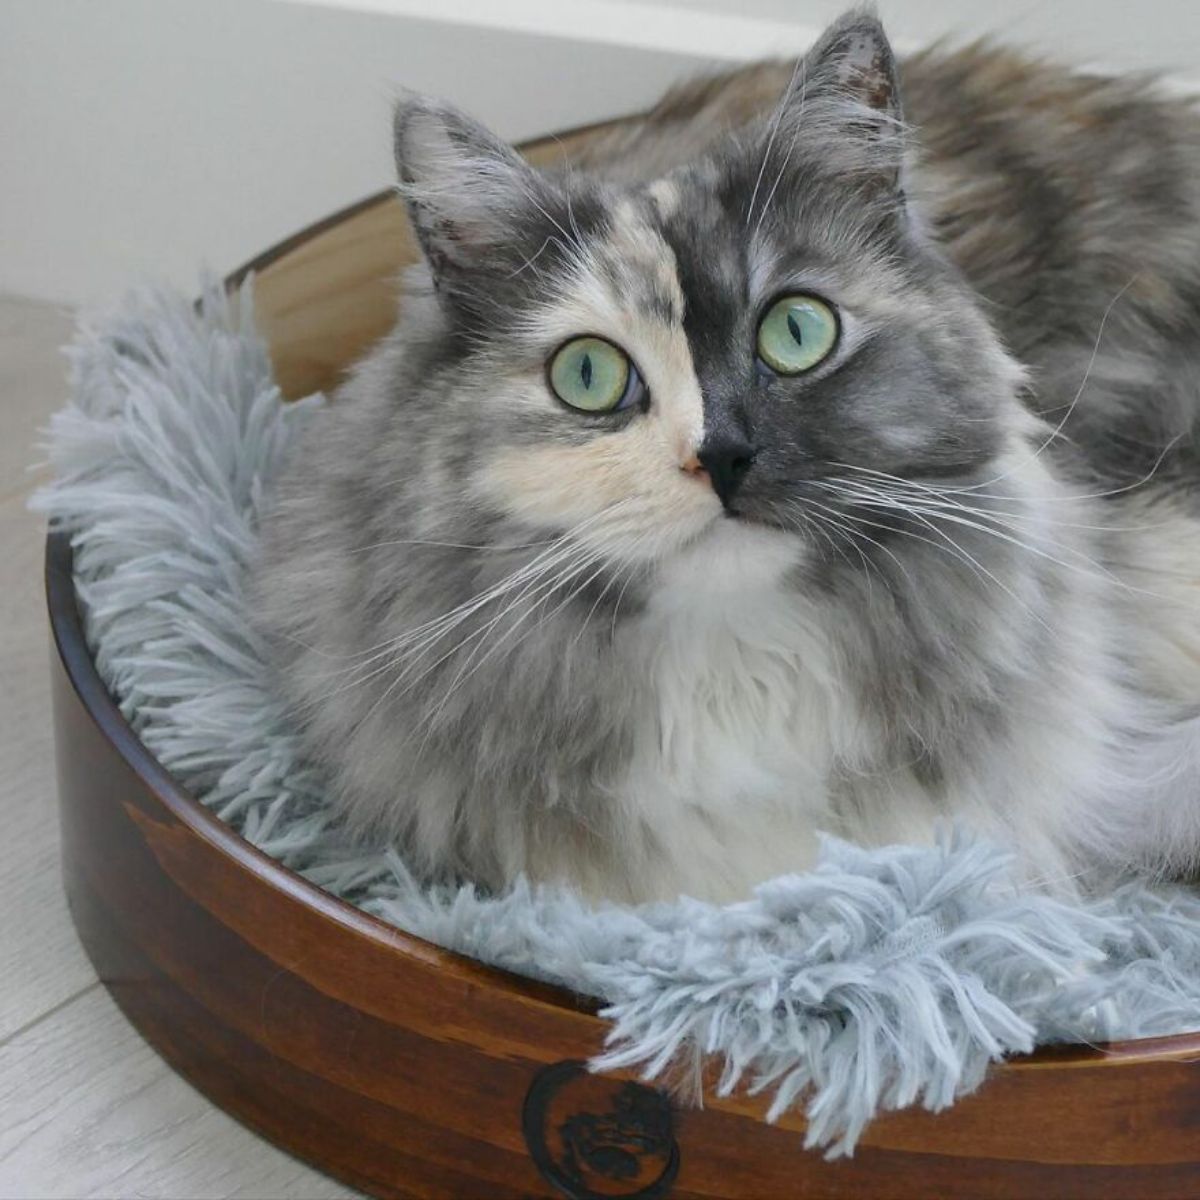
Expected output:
(776, 121)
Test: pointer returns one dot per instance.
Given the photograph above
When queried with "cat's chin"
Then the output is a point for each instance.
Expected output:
(731, 559)
(733, 541)
(752, 524)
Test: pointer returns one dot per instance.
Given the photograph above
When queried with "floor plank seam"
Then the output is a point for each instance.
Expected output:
(54, 1010)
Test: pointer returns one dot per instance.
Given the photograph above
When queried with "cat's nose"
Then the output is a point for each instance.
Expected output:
(727, 458)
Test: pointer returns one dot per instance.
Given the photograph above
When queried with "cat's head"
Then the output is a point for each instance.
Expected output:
(643, 362)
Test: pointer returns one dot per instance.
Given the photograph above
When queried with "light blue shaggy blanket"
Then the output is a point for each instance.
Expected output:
(878, 979)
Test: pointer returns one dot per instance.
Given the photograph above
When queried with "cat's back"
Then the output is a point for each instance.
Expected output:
(1071, 201)
(1055, 189)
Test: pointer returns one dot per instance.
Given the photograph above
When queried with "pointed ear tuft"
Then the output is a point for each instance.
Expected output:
(854, 57)
(463, 185)
(841, 115)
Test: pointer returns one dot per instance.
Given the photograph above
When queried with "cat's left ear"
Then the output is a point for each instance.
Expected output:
(465, 189)
(853, 59)
(846, 94)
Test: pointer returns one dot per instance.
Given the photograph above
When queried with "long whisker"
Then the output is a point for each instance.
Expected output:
(858, 520)
(951, 494)
(570, 239)
(435, 628)
(852, 525)
(412, 643)
(530, 263)
(787, 158)
(575, 556)
(981, 520)
(961, 553)
(632, 568)
(837, 521)
(470, 666)
(776, 121)
(494, 548)
(824, 522)
(536, 590)
(411, 646)
(476, 635)
(1087, 374)
(796, 517)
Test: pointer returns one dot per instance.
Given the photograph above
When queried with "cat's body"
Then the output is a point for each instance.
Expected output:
(919, 601)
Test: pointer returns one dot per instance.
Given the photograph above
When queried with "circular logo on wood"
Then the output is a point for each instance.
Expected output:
(594, 1138)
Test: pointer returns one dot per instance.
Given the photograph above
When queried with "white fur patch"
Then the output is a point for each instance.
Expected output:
(729, 768)
(665, 194)
(1158, 558)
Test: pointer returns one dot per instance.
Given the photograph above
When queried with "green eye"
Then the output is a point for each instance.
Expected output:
(591, 374)
(796, 334)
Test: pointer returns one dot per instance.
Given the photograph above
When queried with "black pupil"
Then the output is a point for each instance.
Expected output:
(585, 370)
(794, 328)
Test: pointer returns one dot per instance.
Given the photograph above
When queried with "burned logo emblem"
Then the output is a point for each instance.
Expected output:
(595, 1138)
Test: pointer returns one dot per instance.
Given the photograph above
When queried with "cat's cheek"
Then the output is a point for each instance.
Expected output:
(625, 491)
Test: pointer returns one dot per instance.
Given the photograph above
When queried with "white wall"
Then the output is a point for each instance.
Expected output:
(143, 137)
(1161, 35)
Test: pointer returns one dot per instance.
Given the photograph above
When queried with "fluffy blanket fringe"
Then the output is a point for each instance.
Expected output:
(879, 979)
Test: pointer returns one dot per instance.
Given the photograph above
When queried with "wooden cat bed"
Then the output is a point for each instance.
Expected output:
(410, 1071)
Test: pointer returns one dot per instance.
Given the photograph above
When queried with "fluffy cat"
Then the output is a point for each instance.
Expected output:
(791, 463)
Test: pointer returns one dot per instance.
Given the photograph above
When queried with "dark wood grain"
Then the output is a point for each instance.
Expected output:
(405, 1069)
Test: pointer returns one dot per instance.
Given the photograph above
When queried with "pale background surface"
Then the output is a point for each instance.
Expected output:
(141, 137)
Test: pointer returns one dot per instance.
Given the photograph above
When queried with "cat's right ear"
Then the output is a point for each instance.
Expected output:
(464, 187)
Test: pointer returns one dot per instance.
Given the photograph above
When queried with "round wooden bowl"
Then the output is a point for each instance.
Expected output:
(411, 1071)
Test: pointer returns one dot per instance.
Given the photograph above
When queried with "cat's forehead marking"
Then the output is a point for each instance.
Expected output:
(628, 289)
(657, 304)
(641, 264)
(631, 287)
(665, 194)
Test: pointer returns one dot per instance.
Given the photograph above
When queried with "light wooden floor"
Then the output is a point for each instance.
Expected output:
(86, 1109)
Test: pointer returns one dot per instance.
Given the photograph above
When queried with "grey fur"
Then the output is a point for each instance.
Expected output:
(1027, 244)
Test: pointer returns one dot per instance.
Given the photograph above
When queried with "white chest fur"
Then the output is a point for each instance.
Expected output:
(730, 765)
